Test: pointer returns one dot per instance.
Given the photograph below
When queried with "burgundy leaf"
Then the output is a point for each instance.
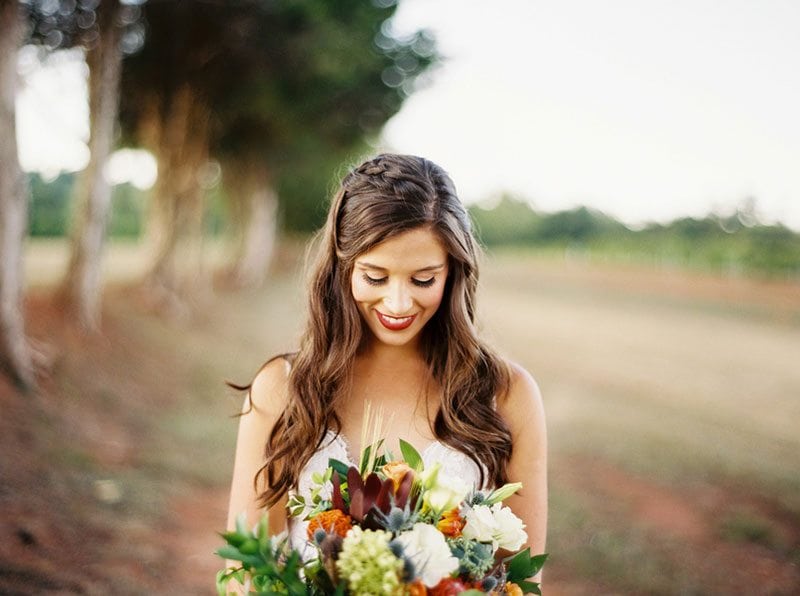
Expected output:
(382, 501)
(371, 490)
(354, 482)
(336, 499)
(357, 509)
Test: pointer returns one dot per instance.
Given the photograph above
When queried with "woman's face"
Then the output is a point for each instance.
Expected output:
(398, 285)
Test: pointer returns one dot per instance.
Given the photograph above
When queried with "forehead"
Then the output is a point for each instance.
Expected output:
(409, 251)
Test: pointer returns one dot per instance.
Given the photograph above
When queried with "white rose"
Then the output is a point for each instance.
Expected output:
(427, 549)
(496, 525)
(480, 524)
(510, 533)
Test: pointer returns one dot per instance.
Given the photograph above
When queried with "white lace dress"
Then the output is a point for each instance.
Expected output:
(453, 463)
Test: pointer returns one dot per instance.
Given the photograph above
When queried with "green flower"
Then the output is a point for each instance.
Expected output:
(367, 563)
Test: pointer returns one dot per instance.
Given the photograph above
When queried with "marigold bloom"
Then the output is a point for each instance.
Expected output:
(451, 523)
(417, 589)
(333, 522)
(513, 589)
(396, 470)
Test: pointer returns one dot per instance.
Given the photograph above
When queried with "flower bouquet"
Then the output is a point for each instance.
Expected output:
(388, 526)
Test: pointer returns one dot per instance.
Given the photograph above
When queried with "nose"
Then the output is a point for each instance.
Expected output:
(397, 300)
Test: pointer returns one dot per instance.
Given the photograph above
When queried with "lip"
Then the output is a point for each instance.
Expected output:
(394, 325)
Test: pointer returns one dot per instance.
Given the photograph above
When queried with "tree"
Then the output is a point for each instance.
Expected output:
(105, 30)
(15, 354)
(248, 84)
(82, 282)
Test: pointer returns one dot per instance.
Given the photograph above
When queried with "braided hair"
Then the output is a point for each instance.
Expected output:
(383, 197)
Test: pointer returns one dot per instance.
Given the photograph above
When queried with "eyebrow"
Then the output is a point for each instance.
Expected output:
(378, 268)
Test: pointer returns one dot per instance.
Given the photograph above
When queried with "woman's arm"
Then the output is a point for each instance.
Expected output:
(524, 413)
(268, 396)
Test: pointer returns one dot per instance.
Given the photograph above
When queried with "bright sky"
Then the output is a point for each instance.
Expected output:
(646, 110)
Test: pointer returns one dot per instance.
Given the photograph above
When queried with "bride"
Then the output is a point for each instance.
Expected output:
(391, 321)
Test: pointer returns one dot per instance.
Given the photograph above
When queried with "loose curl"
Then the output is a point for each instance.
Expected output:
(382, 198)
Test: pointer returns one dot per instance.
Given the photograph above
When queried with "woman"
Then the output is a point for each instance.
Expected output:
(391, 321)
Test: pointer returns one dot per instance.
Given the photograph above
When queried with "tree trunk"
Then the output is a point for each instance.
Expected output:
(175, 217)
(258, 229)
(15, 354)
(82, 284)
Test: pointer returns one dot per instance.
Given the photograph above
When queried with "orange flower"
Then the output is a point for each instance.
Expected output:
(451, 523)
(513, 589)
(333, 521)
(417, 589)
(396, 470)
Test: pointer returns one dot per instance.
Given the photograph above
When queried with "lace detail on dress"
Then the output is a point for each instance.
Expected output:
(453, 462)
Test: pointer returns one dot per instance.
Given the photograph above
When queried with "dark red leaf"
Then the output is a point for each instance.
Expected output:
(382, 502)
(336, 498)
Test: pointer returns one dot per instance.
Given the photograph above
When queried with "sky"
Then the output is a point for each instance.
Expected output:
(647, 110)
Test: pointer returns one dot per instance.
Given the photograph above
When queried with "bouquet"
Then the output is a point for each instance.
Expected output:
(388, 526)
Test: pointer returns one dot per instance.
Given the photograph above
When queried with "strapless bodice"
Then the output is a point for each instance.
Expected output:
(454, 463)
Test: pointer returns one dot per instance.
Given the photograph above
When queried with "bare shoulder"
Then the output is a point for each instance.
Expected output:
(523, 402)
(269, 390)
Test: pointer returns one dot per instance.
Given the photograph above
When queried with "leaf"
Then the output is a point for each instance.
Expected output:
(355, 483)
(411, 455)
(471, 593)
(229, 552)
(336, 495)
(521, 566)
(233, 538)
(529, 587)
(241, 524)
(537, 563)
(362, 466)
(339, 467)
(382, 501)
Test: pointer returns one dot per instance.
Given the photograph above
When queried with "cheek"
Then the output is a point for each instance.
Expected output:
(434, 300)
(362, 292)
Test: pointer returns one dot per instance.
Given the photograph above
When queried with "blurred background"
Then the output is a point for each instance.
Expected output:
(631, 170)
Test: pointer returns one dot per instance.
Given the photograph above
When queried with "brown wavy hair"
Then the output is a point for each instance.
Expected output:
(381, 198)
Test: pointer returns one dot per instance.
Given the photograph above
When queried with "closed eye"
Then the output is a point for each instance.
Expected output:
(372, 281)
(422, 283)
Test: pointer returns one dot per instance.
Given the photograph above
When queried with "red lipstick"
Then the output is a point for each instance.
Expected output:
(395, 324)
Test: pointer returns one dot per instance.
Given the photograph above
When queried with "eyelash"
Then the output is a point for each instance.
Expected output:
(377, 282)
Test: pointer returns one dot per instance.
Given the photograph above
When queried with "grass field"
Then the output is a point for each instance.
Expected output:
(673, 405)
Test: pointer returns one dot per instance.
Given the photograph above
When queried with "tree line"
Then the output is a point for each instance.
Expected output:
(736, 243)
(263, 98)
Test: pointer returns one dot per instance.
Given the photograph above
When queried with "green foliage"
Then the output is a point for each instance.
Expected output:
(51, 206)
(522, 566)
(48, 213)
(293, 87)
(267, 561)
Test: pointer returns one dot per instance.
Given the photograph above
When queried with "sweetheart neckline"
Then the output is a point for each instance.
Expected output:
(346, 446)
